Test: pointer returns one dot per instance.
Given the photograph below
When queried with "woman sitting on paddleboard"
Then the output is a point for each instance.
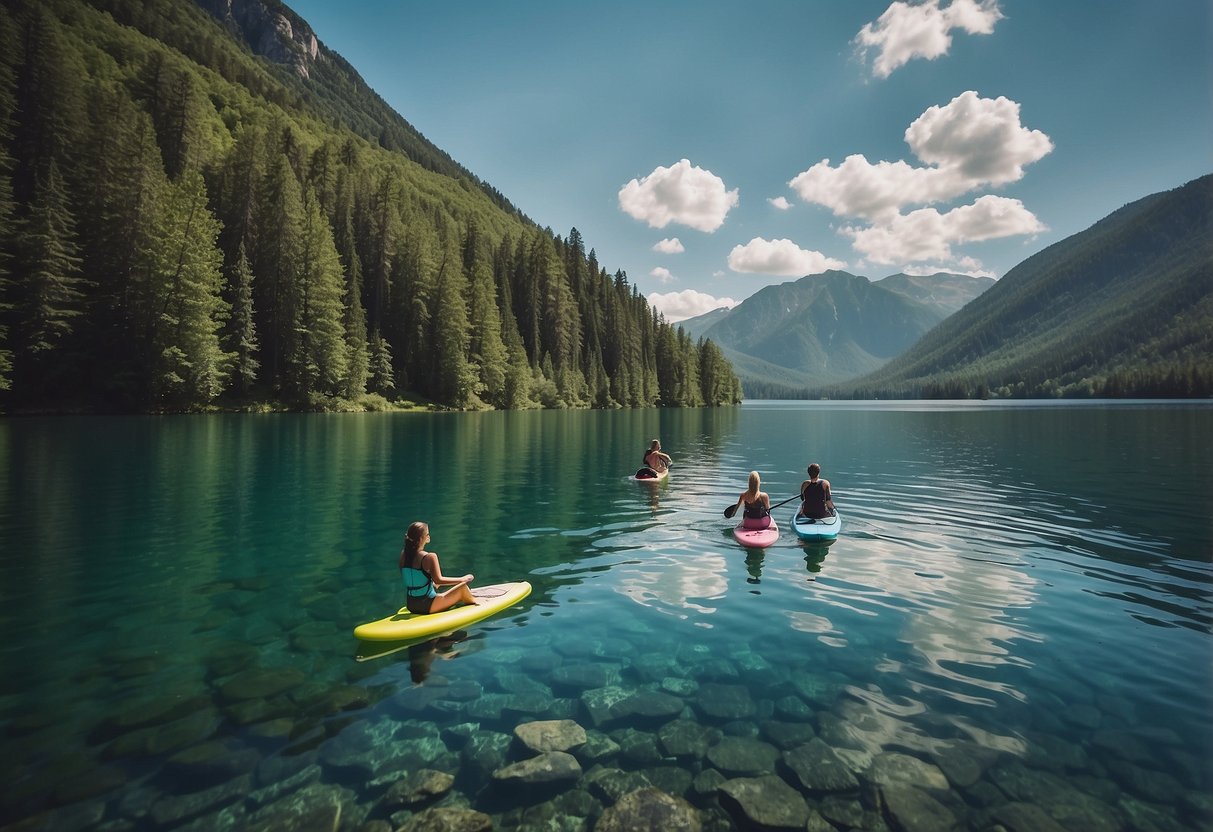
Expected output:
(815, 493)
(655, 459)
(421, 572)
(757, 514)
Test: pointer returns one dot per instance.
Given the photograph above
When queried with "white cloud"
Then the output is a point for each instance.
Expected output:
(781, 203)
(670, 245)
(922, 30)
(779, 257)
(678, 306)
(926, 234)
(662, 275)
(682, 194)
(968, 143)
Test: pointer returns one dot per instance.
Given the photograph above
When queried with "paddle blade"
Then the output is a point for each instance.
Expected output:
(731, 510)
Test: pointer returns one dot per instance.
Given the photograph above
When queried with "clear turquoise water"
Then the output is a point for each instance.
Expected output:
(1025, 589)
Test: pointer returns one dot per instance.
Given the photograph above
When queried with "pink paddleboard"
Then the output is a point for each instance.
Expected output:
(756, 538)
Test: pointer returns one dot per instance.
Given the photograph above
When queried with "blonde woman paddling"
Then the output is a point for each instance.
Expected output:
(757, 514)
(421, 573)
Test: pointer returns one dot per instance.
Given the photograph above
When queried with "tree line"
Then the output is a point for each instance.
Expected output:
(172, 241)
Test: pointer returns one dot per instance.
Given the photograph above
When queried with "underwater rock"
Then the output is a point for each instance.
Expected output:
(890, 768)
(448, 819)
(550, 735)
(649, 809)
(275, 789)
(1123, 744)
(610, 784)
(146, 712)
(960, 767)
(456, 736)
(818, 769)
(648, 705)
(1083, 715)
(793, 708)
(1146, 783)
(173, 809)
(586, 676)
(707, 782)
(211, 762)
(687, 738)
(1029, 785)
(725, 702)
(637, 747)
(743, 757)
(679, 687)
(598, 746)
(671, 779)
(371, 748)
(912, 810)
(314, 807)
(818, 690)
(260, 683)
(1025, 817)
(418, 787)
(849, 813)
(569, 811)
(766, 802)
(165, 739)
(488, 707)
(485, 751)
(546, 768)
(786, 735)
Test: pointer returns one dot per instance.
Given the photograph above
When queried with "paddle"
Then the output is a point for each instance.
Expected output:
(731, 510)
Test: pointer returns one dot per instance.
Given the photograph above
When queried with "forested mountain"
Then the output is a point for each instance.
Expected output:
(828, 327)
(207, 206)
(1124, 308)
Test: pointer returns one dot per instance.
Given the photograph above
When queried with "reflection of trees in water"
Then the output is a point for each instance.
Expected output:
(753, 565)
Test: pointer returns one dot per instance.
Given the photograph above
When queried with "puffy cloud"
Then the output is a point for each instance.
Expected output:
(779, 257)
(678, 306)
(670, 245)
(922, 30)
(682, 193)
(662, 275)
(969, 143)
(926, 234)
(976, 141)
(781, 203)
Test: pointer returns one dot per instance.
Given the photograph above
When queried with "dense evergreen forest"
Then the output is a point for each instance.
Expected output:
(185, 225)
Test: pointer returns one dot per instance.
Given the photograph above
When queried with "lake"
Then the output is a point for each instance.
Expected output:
(1013, 627)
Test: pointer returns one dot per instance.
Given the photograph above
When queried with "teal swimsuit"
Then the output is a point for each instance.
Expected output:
(419, 590)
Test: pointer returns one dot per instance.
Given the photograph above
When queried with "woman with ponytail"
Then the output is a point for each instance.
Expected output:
(757, 514)
(421, 573)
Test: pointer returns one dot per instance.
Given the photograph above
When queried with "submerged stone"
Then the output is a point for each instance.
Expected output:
(890, 768)
(551, 735)
(598, 746)
(686, 738)
(767, 802)
(649, 810)
(787, 735)
(610, 784)
(317, 806)
(743, 757)
(1025, 817)
(818, 769)
(637, 747)
(586, 676)
(546, 768)
(448, 819)
(418, 787)
(261, 683)
(725, 702)
(912, 810)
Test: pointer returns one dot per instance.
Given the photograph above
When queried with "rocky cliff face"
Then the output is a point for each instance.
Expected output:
(270, 29)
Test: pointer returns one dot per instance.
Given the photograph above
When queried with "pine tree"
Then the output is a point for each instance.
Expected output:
(380, 375)
(8, 104)
(49, 293)
(275, 288)
(487, 352)
(241, 328)
(184, 285)
(319, 355)
(355, 316)
(455, 379)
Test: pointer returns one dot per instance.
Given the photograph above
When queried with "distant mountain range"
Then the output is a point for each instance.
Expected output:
(1124, 308)
(829, 327)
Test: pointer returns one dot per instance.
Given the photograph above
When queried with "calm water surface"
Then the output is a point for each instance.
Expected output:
(1013, 628)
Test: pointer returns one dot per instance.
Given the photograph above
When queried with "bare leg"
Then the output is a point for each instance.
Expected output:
(455, 595)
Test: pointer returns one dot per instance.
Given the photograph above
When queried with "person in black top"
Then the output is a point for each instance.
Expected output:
(757, 514)
(815, 493)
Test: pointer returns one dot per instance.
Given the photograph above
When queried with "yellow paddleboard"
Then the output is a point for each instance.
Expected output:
(406, 625)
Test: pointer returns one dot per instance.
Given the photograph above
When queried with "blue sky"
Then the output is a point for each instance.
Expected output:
(712, 148)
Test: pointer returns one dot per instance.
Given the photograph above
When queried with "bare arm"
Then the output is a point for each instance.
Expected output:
(435, 570)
